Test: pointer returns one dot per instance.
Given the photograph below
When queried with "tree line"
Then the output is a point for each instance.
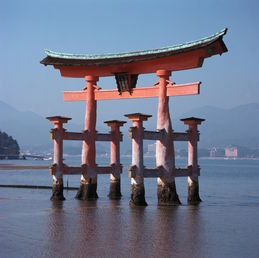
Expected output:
(9, 148)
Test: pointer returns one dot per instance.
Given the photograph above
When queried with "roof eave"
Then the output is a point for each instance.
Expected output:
(102, 61)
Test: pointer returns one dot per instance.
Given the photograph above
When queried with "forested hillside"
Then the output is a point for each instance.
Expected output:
(9, 148)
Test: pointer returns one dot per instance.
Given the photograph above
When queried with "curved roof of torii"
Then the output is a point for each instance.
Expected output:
(178, 57)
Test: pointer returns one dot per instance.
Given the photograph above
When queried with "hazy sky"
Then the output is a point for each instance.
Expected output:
(97, 27)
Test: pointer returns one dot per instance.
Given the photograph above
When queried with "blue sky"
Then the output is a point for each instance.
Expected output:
(96, 27)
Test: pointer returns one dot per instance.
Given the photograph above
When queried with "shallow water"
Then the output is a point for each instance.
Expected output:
(225, 224)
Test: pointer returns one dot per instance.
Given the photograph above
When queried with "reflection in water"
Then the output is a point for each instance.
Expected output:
(115, 229)
(56, 228)
(194, 231)
(137, 230)
(179, 231)
(168, 230)
(87, 233)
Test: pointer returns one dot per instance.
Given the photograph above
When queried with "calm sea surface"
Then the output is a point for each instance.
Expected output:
(225, 224)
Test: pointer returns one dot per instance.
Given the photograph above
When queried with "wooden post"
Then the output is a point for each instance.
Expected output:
(193, 181)
(57, 167)
(166, 189)
(137, 196)
(88, 183)
(115, 185)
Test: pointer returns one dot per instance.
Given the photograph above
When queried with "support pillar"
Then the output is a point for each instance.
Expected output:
(137, 196)
(115, 184)
(166, 189)
(193, 181)
(57, 167)
(88, 183)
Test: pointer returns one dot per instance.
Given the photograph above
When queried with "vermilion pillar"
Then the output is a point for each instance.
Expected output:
(166, 191)
(115, 185)
(193, 181)
(88, 183)
(57, 167)
(137, 196)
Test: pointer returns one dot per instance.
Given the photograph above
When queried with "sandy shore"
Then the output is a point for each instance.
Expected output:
(22, 167)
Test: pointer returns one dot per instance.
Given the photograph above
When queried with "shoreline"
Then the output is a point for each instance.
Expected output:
(224, 158)
(36, 187)
(6, 166)
(22, 167)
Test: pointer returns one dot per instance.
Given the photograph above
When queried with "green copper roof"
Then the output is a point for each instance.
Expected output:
(53, 57)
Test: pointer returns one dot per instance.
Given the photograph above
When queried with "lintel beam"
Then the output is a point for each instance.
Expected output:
(146, 92)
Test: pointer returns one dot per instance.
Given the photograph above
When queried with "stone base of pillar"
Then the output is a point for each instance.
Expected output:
(137, 196)
(167, 195)
(87, 191)
(57, 191)
(115, 190)
(193, 193)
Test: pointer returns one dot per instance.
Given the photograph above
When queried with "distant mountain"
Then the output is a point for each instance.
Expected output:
(32, 130)
(236, 126)
(28, 128)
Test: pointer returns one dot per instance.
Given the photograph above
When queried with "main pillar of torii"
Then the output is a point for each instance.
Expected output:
(166, 189)
(88, 183)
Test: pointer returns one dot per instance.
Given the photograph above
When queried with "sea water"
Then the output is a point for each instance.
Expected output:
(225, 224)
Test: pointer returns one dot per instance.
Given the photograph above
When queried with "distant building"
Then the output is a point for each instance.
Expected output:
(213, 152)
(231, 152)
(217, 152)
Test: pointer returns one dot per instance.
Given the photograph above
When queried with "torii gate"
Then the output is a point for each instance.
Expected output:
(126, 67)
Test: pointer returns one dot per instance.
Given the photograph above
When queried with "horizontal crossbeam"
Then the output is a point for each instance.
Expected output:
(158, 172)
(68, 170)
(146, 92)
(180, 136)
(151, 135)
(103, 137)
(75, 136)
(158, 135)
(83, 136)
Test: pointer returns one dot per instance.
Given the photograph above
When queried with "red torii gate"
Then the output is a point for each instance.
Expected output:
(126, 67)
